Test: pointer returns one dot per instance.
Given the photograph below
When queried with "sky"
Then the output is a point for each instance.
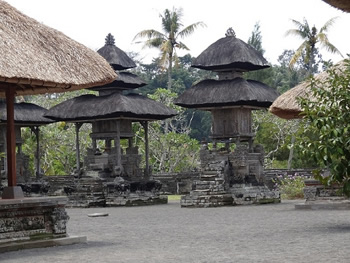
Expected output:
(89, 22)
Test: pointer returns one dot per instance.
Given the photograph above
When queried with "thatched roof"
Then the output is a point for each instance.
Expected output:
(236, 92)
(124, 80)
(90, 107)
(286, 106)
(230, 53)
(26, 114)
(37, 59)
(116, 57)
(343, 5)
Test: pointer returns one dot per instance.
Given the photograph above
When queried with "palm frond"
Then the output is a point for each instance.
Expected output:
(153, 42)
(190, 29)
(149, 33)
(181, 45)
(298, 54)
(296, 32)
(328, 24)
(324, 43)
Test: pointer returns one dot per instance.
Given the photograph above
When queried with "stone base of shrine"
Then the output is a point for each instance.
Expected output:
(335, 203)
(200, 198)
(34, 222)
(136, 199)
(236, 195)
(247, 194)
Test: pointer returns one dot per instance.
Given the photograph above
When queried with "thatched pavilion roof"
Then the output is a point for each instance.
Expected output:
(230, 53)
(37, 59)
(124, 80)
(286, 106)
(234, 92)
(116, 57)
(89, 107)
(26, 114)
(343, 5)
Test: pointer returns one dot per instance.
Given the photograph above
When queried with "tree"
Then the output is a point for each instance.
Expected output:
(255, 40)
(311, 37)
(327, 121)
(167, 42)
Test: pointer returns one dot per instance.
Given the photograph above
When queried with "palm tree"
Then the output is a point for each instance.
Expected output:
(167, 41)
(311, 37)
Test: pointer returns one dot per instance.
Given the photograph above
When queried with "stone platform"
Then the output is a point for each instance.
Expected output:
(329, 203)
(34, 222)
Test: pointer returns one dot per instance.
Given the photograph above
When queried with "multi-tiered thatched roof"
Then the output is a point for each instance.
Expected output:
(86, 108)
(230, 53)
(236, 92)
(116, 57)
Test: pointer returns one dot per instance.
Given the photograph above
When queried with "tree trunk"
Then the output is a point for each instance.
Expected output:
(291, 153)
(170, 70)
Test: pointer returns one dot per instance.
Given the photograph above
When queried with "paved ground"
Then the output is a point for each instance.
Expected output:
(168, 233)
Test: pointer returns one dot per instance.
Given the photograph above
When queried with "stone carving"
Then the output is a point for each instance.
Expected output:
(59, 219)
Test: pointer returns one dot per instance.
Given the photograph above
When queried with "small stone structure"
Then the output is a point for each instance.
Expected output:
(230, 177)
(29, 220)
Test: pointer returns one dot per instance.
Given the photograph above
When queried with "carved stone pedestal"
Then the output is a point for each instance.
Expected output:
(28, 222)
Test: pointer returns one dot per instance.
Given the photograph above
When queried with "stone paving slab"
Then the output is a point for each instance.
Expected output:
(167, 233)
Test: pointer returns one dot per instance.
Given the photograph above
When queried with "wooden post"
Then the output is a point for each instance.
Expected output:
(11, 138)
(36, 132)
(12, 191)
(77, 145)
(145, 127)
(117, 145)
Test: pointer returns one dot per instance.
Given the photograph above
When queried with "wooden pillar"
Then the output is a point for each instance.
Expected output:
(145, 127)
(77, 145)
(11, 138)
(117, 145)
(37, 165)
(12, 191)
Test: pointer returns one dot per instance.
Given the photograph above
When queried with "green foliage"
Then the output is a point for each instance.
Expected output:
(171, 147)
(327, 124)
(57, 140)
(291, 187)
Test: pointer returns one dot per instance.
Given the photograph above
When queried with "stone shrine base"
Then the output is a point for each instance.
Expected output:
(240, 194)
(329, 203)
(34, 222)
(136, 199)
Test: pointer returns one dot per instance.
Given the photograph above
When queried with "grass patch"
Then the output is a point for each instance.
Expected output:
(174, 197)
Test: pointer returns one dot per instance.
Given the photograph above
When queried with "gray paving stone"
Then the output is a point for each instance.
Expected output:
(168, 233)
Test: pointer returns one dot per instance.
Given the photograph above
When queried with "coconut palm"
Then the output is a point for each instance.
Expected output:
(311, 36)
(167, 41)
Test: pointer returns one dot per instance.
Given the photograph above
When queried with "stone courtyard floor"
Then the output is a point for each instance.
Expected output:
(168, 233)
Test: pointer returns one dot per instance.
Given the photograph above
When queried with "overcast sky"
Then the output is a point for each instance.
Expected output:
(89, 21)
